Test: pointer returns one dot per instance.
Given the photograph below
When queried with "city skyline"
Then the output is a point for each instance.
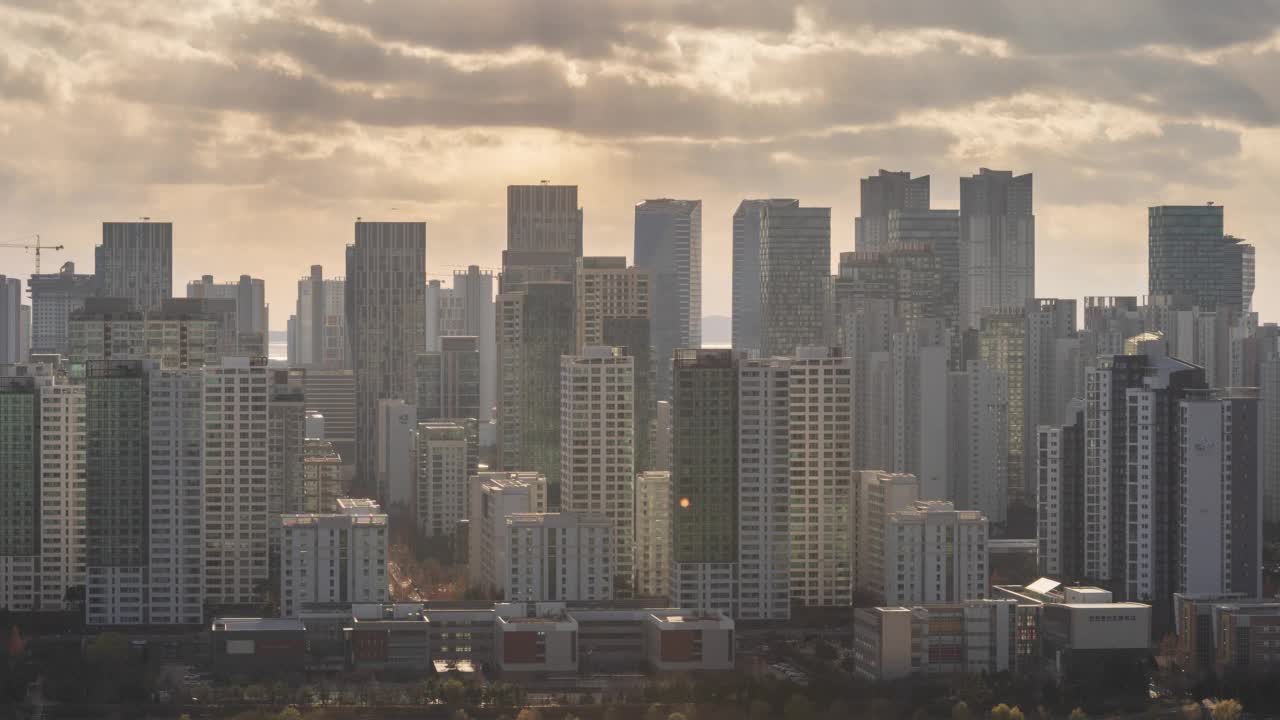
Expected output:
(273, 148)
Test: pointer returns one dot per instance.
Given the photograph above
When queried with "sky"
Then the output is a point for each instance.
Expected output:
(262, 130)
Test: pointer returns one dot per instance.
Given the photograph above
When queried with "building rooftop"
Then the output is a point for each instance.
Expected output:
(257, 625)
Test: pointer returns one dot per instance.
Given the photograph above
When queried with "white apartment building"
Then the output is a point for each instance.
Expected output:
(607, 288)
(440, 497)
(62, 492)
(652, 556)
(394, 461)
(559, 556)
(184, 438)
(876, 494)
(935, 554)
(820, 400)
(236, 480)
(597, 445)
(338, 558)
(764, 490)
(494, 496)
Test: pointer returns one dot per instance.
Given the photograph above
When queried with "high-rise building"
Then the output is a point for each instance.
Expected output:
(440, 494)
(147, 500)
(821, 407)
(1132, 475)
(1220, 465)
(180, 334)
(386, 285)
(396, 468)
(54, 297)
(544, 235)
(597, 446)
(236, 397)
(652, 556)
(319, 339)
(977, 440)
(536, 329)
(937, 231)
(1002, 342)
(332, 395)
(1190, 259)
(334, 558)
(935, 553)
(881, 195)
(493, 497)
(1269, 426)
(668, 243)
(1052, 375)
(746, 272)
(876, 494)
(321, 477)
(249, 332)
(13, 349)
(795, 278)
(20, 521)
(476, 289)
(135, 261)
(559, 556)
(997, 243)
(1108, 322)
(902, 406)
(445, 314)
(448, 380)
(764, 489)
(286, 440)
(704, 480)
(1059, 455)
(661, 443)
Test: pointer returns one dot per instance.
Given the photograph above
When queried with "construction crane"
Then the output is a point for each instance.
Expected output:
(37, 247)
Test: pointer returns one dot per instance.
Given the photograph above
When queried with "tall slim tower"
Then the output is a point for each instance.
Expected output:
(764, 489)
(746, 272)
(704, 480)
(997, 243)
(12, 347)
(1192, 261)
(320, 331)
(476, 289)
(795, 278)
(668, 242)
(597, 446)
(882, 194)
(135, 261)
(544, 235)
(386, 284)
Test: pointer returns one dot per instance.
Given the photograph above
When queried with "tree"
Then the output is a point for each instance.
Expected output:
(677, 716)
(799, 707)
(109, 650)
(654, 712)
(289, 713)
(613, 712)
(838, 710)
(960, 711)
(1001, 712)
(760, 710)
(529, 714)
(459, 714)
(453, 691)
(1078, 714)
(1227, 710)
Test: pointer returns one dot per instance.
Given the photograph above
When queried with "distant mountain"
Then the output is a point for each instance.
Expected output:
(717, 330)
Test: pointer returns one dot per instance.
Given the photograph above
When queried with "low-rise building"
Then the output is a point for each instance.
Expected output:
(977, 636)
(1228, 632)
(255, 646)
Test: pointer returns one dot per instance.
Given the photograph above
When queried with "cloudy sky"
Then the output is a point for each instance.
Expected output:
(264, 130)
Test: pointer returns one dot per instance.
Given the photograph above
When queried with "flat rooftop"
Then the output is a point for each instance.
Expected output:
(258, 625)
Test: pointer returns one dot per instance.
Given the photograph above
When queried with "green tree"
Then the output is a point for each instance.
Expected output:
(459, 714)
(289, 713)
(759, 710)
(1227, 710)
(960, 711)
(1001, 712)
(453, 691)
(1078, 714)
(799, 707)
(109, 650)
(1016, 713)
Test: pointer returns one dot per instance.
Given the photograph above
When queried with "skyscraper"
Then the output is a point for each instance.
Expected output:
(386, 282)
(1059, 456)
(446, 313)
(536, 329)
(1192, 261)
(19, 492)
(13, 349)
(937, 231)
(795, 278)
(704, 480)
(54, 297)
(668, 243)
(1003, 347)
(652, 555)
(882, 194)
(597, 446)
(135, 261)
(746, 272)
(764, 489)
(978, 440)
(448, 380)
(236, 398)
(997, 243)
(476, 289)
(332, 395)
(320, 335)
(248, 332)
(544, 235)
(1052, 371)
(286, 440)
